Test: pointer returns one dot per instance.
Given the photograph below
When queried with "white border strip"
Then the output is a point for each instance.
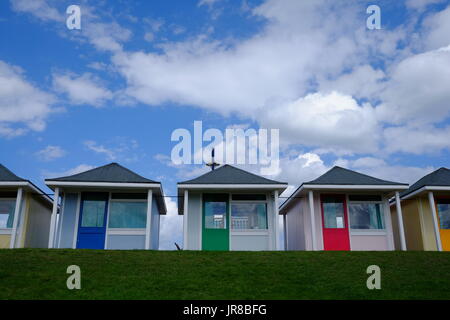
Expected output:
(232, 186)
(425, 188)
(101, 184)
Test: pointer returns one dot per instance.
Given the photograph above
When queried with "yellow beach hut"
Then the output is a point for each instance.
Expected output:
(25, 212)
(426, 213)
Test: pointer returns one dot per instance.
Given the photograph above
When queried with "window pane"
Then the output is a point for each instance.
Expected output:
(248, 197)
(128, 214)
(215, 215)
(363, 197)
(248, 216)
(333, 214)
(366, 216)
(7, 208)
(93, 213)
(444, 215)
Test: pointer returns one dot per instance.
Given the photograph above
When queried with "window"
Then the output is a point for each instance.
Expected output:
(215, 215)
(248, 216)
(333, 213)
(128, 214)
(129, 196)
(93, 213)
(248, 197)
(443, 207)
(366, 216)
(7, 208)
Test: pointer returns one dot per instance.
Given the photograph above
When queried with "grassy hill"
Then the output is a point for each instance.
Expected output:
(41, 274)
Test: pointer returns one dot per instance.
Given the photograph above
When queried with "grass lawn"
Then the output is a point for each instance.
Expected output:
(41, 274)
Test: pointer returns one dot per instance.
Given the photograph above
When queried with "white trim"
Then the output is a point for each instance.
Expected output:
(285, 232)
(105, 245)
(388, 223)
(400, 221)
(228, 219)
(77, 218)
(5, 231)
(353, 187)
(276, 214)
(185, 222)
(313, 221)
(307, 187)
(250, 233)
(26, 184)
(24, 211)
(200, 245)
(12, 240)
(102, 184)
(347, 204)
(60, 221)
(381, 232)
(148, 225)
(126, 232)
(426, 188)
(435, 221)
(232, 186)
(51, 236)
(14, 183)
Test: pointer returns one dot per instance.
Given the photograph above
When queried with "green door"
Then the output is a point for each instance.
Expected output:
(216, 230)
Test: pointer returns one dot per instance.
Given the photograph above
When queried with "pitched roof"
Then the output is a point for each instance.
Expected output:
(112, 172)
(342, 176)
(227, 174)
(438, 178)
(7, 175)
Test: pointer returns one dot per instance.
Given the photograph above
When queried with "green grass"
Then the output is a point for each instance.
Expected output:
(41, 274)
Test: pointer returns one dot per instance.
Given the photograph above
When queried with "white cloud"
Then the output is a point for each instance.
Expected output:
(208, 3)
(50, 153)
(118, 148)
(78, 169)
(418, 91)
(93, 146)
(380, 169)
(421, 4)
(417, 140)
(21, 102)
(39, 8)
(84, 89)
(333, 121)
(171, 227)
(105, 36)
(437, 29)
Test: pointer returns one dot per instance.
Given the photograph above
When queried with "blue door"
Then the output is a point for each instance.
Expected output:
(92, 222)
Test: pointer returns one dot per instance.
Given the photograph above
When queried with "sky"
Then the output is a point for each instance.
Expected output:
(372, 100)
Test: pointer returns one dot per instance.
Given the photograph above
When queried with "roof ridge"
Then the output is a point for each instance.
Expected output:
(131, 171)
(248, 172)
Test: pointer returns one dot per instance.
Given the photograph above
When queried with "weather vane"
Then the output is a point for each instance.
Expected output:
(213, 164)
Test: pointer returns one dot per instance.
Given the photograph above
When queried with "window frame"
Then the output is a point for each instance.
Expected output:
(250, 231)
(437, 200)
(122, 231)
(372, 231)
(9, 230)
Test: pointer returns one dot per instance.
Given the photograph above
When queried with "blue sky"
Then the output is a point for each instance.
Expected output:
(376, 101)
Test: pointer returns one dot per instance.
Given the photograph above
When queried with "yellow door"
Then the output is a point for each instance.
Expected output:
(443, 212)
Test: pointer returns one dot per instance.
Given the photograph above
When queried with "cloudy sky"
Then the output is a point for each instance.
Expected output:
(376, 101)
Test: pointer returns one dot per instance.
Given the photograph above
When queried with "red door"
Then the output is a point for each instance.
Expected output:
(334, 222)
